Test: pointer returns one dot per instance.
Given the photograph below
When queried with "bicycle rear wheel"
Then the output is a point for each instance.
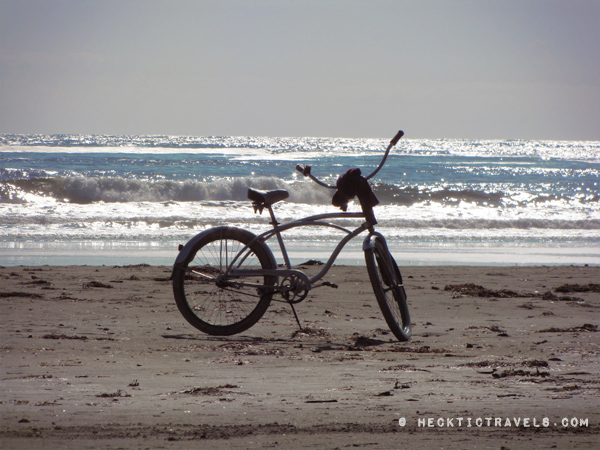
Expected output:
(214, 302)
(387, 285)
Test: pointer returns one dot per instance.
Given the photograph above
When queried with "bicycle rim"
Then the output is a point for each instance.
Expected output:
(217, 304)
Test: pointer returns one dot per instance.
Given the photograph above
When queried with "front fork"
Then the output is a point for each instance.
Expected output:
(369, 244)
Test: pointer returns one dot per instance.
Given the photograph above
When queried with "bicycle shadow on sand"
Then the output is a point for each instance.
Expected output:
(315, 340)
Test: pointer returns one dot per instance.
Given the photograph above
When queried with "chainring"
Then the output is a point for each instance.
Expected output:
(293, 289)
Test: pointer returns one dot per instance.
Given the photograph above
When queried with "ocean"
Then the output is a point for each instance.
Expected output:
(121, 200)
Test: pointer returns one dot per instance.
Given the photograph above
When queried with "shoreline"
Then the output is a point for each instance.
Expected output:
(113, 364)
(163, 253)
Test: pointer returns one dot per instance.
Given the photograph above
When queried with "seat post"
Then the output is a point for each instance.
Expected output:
(274, 222)
(272, 214)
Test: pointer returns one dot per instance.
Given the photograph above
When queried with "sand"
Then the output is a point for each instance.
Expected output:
(100, 357)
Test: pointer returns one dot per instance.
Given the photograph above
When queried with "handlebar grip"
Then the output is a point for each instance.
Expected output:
(396, 138)
(303, 170)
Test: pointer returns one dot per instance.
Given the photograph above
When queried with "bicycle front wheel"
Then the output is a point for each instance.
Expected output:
(387, 285)
(208, 297)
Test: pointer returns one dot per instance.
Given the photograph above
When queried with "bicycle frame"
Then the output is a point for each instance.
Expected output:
(316, 220)
(244, 273)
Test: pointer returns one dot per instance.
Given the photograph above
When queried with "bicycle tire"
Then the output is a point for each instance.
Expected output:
(212, 302)
(388, 288)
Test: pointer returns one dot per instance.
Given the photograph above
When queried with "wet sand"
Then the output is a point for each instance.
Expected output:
(501, 357)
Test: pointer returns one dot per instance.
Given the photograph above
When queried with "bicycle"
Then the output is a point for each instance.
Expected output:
(225, 277)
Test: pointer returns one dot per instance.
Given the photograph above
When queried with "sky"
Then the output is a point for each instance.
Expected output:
(468, 69)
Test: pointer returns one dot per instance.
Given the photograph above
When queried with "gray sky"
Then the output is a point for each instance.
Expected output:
(493, 69)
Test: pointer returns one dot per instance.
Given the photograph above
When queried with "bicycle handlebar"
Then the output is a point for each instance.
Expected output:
(396, 138)
(306, 170)
(393, 142)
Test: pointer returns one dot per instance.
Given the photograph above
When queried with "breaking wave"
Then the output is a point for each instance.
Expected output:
(118, 189)
(84, 190)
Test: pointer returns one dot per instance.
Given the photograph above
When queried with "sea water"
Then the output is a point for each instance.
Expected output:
(116, 200)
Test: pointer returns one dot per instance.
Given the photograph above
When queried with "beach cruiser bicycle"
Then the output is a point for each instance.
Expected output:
(225, 277)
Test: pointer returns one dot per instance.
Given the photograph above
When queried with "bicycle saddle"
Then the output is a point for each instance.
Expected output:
(267, 198)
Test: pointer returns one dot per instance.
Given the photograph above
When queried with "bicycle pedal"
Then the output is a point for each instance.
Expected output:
(332, 285)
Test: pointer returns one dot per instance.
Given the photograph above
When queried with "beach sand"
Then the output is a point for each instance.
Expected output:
(100, 357)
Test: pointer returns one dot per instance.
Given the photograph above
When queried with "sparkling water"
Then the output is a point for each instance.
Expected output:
(74, 199)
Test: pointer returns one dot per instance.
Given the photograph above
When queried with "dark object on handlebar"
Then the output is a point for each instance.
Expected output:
(306, 170)
(353, 184)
